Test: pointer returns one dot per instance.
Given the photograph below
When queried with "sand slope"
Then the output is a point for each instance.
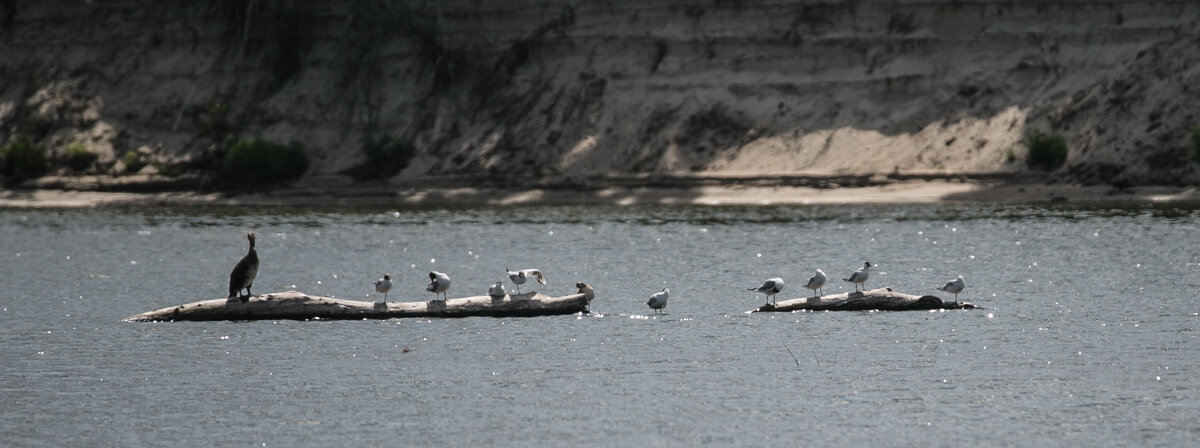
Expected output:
(528, 89)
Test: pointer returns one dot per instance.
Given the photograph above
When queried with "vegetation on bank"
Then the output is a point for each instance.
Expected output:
(386, 157)
(78, 158)
(1046, 152)
(1196, 143)
(235, 162)
(256, 161)
(22, 159)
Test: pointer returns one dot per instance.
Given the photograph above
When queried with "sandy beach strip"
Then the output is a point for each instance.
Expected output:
(901, 192)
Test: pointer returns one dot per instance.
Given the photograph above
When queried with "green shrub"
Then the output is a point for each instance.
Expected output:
(213, 119)
(133, 162)
(78, 157)
(23, 159)
(1196, 143)
(257, 161)
(170, 169)
(386, 157)
(1046, 152)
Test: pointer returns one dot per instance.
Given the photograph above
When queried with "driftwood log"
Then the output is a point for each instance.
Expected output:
(293, 305)
(874, 299)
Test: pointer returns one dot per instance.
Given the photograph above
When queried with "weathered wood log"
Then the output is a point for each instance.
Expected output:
(883, 299)
(293, 305)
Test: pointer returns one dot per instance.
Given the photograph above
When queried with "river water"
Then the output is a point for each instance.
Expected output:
(1087, 333)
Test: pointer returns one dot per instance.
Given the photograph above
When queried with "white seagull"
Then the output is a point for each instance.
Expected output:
(520, 277)
(497, 291)
(658, 301)
(384, 285)
(771, 287)
(860, 276)
(438, 283)
(954, 287)
(817, 281)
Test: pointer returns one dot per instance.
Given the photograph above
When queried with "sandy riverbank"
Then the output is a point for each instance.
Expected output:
(907, 191)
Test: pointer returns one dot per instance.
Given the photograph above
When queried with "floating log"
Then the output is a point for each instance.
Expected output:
(874, 299)
(294, 305)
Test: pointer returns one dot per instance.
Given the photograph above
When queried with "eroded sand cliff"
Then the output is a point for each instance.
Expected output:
(529, 89)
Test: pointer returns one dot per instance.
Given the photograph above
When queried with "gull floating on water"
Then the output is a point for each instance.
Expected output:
(860, 276)
(384, 285)
(954, 287)
(244, 272)
(438, 283)
(771, 287)
(520, 277)
(658, 301)
(817, 281)
(497, 291)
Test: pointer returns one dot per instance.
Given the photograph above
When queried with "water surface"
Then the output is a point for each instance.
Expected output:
(1087, 335)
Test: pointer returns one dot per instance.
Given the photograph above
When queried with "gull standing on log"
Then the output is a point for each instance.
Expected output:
(588, 292)
(954, 287)
(244, 272)
(438, 284)
(860, 276)
(384, 285)
(497, 291)
(771, 287)
(520, 277)
(817, 281)
(658, 301)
